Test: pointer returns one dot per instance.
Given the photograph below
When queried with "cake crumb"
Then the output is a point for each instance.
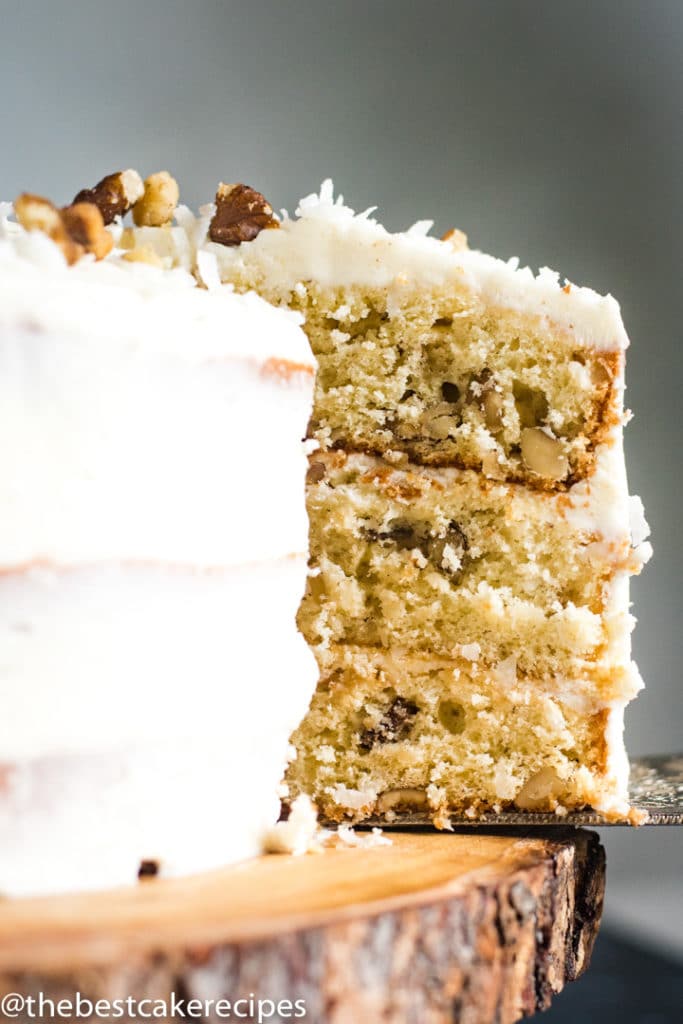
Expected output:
(345, 835)
(299, 834)
(442, 820)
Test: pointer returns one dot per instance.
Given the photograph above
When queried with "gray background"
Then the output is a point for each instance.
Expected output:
(549, 130)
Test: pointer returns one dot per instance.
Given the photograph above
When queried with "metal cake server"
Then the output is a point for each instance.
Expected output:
(655, 786)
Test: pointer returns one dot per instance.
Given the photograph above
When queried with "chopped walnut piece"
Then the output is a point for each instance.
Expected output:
(540, 791)
(114, 195)
(156, 207)
(531, 404)
(456, 238)
(409, 798)
(440, 421)
(482, 391)
(450, 392)
(544, 454)
(448, 553)
(452, 716)
(394, 725)
(76, 229)
(407, 536)
(316, 472)
(492, 404)
(241, 214)
(35, 213)
(85, 226)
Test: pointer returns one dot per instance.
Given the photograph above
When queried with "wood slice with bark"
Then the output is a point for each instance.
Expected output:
(466, 927)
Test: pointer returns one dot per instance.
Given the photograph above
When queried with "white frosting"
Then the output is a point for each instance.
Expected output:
(639, 526)
(146, 714)
(116, 299)
(617, 767)
(97, 656)
(152, 497)
(129, 451)
(601, 504)
(87, 821)
(329, 243)
(151, 421)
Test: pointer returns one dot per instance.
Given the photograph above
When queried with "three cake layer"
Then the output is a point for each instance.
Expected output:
(471, 535)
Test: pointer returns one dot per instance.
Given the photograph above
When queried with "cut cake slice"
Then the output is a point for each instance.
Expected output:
(471, 534)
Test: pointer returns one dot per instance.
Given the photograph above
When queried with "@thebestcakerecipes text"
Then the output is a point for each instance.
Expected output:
(252, 1008)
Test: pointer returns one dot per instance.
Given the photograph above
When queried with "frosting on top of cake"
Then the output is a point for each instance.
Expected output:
(156, 418)
(329, 243)
(115, 297)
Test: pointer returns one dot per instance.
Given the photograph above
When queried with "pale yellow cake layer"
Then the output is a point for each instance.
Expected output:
(391, 732)
(451, 381)
(434, 560)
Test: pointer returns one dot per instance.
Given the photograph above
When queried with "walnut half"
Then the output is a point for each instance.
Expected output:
(114, 195)
(241, 214)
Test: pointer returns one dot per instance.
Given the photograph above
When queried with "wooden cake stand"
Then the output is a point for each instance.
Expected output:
(473, 927)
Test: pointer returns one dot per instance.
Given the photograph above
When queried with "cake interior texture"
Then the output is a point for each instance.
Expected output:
(433, 559)
(471, 533)
(392, 732)
(454, 386)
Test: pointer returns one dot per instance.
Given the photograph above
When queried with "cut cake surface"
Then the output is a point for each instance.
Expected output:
(471, 532)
